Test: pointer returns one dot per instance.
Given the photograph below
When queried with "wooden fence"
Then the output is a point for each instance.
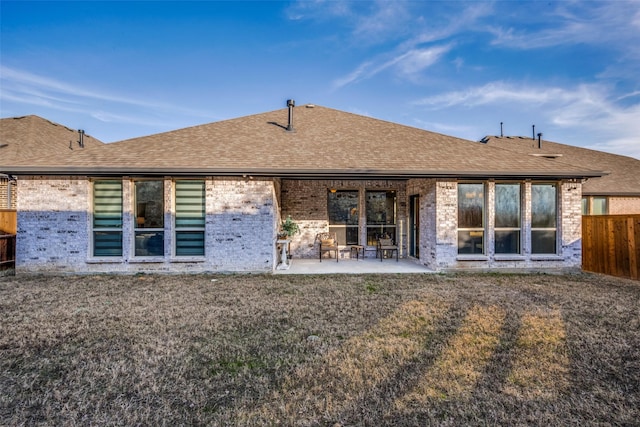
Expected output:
(8, 228)
(7, 251)
(611, 244)
(8, 221)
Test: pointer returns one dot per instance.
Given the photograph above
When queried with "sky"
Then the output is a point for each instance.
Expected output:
(125, 69)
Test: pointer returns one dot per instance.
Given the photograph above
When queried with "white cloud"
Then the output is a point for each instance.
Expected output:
(139, 119)
(370, 21)
(441, 27)
(416, 60)
(415, 24)
(46, 87)
(22, 87)
(316, 9)
(613, 23)
(493, 93)
(584, 110)
(354, 76)
(387, 18)
(408, 64)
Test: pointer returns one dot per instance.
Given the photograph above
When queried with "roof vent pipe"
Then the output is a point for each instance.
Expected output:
(533, 131)
(501, 133)
(539, 140)
(290, 103)
(81, 136)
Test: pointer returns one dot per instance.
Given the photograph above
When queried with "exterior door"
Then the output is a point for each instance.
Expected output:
(414, 226)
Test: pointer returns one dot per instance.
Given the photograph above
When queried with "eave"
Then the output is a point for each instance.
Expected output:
(298, 173)
(611, 193)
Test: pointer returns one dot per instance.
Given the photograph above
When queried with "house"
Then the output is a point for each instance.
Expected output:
(32, 137)
(616, 193)
(211, 197)
(7, 191)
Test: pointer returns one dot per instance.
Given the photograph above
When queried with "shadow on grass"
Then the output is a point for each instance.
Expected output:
(370, 350)
(422, 363)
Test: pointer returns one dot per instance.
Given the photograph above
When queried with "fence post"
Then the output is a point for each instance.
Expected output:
(633, 228)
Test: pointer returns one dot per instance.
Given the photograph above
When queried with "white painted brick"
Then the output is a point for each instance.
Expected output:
(54, 225)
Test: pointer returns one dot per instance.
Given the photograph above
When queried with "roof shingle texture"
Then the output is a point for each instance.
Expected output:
(623, 176)
(325, 142)
(32, 140)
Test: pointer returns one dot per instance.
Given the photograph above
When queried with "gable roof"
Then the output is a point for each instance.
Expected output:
(32, 139)
(623, 173)
(324, 143)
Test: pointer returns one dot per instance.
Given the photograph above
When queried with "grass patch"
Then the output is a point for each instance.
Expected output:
(256, 350)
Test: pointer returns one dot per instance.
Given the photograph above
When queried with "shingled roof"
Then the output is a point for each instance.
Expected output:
(32, 140)
(324, 143)
(623, 173)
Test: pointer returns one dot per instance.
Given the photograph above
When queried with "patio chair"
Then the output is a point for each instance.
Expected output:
(328, 243)
(386, 244)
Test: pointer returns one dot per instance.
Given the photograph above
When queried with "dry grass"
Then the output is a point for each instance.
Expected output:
(320, 350)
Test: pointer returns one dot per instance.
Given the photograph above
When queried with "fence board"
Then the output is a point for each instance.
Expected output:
(7, 250)
(631, 248)
(8, 221)
(8, 228)
(610, 244)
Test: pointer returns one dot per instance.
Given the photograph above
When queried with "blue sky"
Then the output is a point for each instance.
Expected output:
(125, 69)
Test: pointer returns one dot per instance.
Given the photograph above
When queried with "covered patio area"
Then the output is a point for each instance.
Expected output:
(353, 266)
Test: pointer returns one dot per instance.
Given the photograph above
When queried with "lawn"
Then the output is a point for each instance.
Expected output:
(334, 350)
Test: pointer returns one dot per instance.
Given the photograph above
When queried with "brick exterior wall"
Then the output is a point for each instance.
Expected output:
(439, 233)
(570, 210)
(241, 224)
(624, 205)
(54, 228)
(306, 202)
(7, 193)
(446, 213)
(425, 189)
(569, 232)
(4, 203)
(53, 234)
(242, 220)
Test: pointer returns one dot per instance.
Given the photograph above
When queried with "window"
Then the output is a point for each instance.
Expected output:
(107, 218)
(594, 205)
(599, 206)
(343, 215)
(544, 219)
(507, 219)
(471, 218)
(381, 215)
(190, 218)
(149, 215)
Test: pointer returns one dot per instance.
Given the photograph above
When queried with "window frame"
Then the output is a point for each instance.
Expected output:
(596, 205)
(157, 230)
(556, 219)
(519, 229)
(589, 204)
(585, 205)
(119, 229)
(382, 228)
(482, 229)
(176, 229)
(336, 227)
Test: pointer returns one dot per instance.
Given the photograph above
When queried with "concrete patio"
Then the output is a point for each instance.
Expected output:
(353, 266)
